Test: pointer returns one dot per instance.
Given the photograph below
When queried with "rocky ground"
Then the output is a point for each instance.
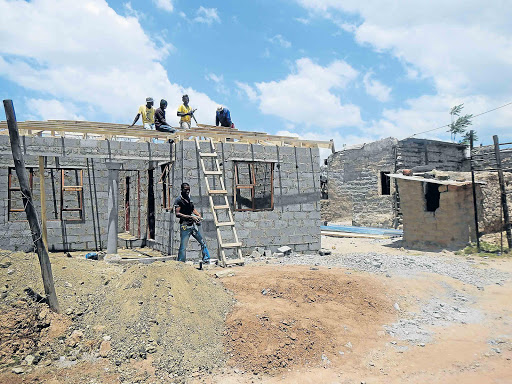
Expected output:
(371, 311)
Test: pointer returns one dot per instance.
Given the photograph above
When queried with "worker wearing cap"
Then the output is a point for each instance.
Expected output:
(223, 117)
(185, 112)
(148, 114)
(160, 121)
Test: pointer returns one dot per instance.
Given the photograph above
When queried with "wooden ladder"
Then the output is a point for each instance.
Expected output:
(222, 192)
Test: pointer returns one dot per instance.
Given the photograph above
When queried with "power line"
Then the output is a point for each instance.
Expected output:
(447, 125)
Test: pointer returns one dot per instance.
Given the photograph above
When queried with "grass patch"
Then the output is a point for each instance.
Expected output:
(486, 249)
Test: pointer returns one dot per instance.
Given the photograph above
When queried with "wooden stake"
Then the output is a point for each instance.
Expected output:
(475, 207)
(43, 201)
(504, 204)
(19, 164)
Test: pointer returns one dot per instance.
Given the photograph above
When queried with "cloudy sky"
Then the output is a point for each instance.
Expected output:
(350, 70)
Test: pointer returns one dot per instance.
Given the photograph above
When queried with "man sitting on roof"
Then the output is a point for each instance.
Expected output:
(160, 122)
(223, 117)
(185, 112)
(148, 114)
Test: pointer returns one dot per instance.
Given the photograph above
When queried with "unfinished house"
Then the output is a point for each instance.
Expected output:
(96, 180)
(360, 189)
(437, 212)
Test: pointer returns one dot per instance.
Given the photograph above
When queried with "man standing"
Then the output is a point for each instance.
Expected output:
(223, 117)
(160, 122)
(148, 114)
(190, 219)
(185, 112)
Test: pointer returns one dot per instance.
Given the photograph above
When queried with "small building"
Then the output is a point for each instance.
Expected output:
(437, 212)
(271, 185)
(359, 186)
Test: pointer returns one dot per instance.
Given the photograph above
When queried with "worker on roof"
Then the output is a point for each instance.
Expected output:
(190, 220)
(186, 113)
(148, 114)
(160, 122)
(223, 117)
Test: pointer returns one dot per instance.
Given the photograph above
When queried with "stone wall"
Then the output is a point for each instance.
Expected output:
(450, 225)
(354, 176)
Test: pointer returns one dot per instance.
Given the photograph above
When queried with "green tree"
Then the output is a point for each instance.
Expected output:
(458, 126)
(466, 139)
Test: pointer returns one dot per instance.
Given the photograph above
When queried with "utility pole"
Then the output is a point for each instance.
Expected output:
(504, 204)
(35, 229)
(475, 206)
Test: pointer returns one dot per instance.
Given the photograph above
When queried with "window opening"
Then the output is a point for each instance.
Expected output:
(254, 186)
(385, 183)
(71, 195)
(127, 204)
(165, 180)
(151, 205)
(14, 195)
(432, 195)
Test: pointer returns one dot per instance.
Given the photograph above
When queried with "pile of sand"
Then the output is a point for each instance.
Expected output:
(169, 315)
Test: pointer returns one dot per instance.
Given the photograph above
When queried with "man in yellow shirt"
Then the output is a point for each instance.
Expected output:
(148, 114)
(185, 112)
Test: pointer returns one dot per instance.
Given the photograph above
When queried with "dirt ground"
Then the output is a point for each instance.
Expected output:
(288, 323)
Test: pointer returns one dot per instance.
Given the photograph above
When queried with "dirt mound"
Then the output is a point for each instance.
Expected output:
(165, 319)
(300, 317)
(27, 329)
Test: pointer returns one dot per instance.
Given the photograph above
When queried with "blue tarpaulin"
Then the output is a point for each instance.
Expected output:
(363, 230)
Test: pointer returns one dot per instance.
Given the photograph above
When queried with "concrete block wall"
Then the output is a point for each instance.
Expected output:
(294, 220)
(441, 155)
(450, 225)
(85, 233)
(485, 158)
(354, 176)
(90, 233)
(354, 183)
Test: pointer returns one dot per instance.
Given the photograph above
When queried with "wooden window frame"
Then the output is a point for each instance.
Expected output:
(165, 180)
(251, 186)
(10, 189)
(72, 188)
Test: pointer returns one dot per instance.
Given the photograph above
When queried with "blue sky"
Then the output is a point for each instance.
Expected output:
(343, 69)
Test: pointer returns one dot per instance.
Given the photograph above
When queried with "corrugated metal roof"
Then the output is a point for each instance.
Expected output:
(434, 181)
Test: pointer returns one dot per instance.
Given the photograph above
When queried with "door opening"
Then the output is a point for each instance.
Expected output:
(151, 205)
(127, 204)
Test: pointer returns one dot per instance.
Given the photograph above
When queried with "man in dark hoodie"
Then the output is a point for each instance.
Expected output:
(190, 219)
(160, 122)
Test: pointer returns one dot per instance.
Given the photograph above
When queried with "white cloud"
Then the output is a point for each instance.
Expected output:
(166, 5)
(213, 77)
(207, 15)
(53, 109)
(247, 90)
(218, 80)
(463, 49)
(376, 89)
(303, 20)
(280, 40)
(84, 54)
(306, 96)
(132, 12)
(428, 112)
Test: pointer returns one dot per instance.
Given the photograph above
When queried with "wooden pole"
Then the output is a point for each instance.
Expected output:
(19, 164)
(43, 201)
(504, 205)
(475, 207)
